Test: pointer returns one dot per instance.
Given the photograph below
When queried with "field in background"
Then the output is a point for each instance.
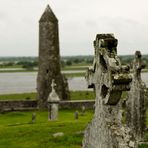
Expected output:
(17, 64)
(74, 95)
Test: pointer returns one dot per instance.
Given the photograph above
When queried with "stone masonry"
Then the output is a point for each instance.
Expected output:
(136, 103)
(109, 79)
(49, 59)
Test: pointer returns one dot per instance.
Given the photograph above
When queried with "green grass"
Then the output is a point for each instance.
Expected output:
(23, 96)
(75, 95)
(13, 71)
(66, 68)
(143, 146)
(75, 67)
(76, 74)
(82, 95)
(17, 131)
(12, 66)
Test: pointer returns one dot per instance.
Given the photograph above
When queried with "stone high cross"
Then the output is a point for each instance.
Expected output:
(53, 84)
(136, 103)
(109, 79)
(138, 65)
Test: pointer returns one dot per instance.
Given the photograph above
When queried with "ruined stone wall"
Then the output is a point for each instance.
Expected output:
(27, 105)
(17, 105)
(136, 103)
(109, 78)
(49, 59)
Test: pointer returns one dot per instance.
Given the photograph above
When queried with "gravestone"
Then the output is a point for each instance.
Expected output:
(33, 117)
(76, 115)
(49, 59)
(109, 79)
(53, 103)
(136, 103)
(83, 109)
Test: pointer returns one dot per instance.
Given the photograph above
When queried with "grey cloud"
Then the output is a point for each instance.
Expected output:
(79, 22)
(3, 17)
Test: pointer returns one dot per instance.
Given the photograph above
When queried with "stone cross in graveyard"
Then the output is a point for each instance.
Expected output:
(136, 103)
(53, 103)
(109, 79)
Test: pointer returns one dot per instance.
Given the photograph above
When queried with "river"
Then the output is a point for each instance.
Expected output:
(21, 82)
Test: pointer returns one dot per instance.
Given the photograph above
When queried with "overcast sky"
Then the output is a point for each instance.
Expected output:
(79, 22)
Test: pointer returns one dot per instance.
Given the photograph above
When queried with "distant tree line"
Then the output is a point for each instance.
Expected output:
(129, 58)
(28, 65)
(31, 62)
(76, 60)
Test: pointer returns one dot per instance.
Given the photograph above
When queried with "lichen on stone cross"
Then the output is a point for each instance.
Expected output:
(115, 77)
(110, 79)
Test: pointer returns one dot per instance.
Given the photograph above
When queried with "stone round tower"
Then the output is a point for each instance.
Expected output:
(49, 59)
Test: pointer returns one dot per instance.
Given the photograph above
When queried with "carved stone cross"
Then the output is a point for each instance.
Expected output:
(53, 84)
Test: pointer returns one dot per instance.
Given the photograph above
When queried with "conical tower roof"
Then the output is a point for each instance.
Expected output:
(48, 15)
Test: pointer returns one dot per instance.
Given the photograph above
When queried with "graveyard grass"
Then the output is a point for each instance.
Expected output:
(17, 130)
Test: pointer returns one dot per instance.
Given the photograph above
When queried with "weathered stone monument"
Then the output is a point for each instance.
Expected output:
(53, 103)
(109, 79)
(136, 103)
(33, 117)
(49, 59)
(76, 115)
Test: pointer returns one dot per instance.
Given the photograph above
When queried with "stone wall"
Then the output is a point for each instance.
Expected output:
(17, 105)
(89, 104)
(28, 105)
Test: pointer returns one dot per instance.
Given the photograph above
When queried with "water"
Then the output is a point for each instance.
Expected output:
(63, 71)
(26, 82)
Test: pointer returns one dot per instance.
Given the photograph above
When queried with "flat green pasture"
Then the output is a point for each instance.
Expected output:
(75, 74)
(18, 131)
(23, 96)
(74, 95)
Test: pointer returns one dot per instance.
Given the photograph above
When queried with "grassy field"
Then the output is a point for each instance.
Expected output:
(17, 130)
(76, 74)
(20, 69)
(23, 96)
(74, 95)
